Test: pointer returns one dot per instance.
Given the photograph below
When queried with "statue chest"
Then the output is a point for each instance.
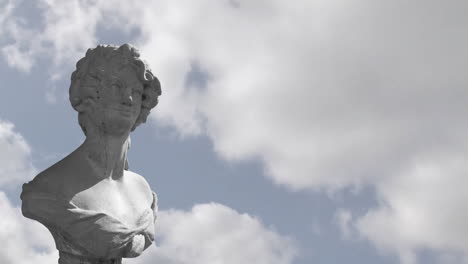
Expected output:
(117, 199)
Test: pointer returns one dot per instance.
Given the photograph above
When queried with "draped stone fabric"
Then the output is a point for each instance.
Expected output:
(87, 233)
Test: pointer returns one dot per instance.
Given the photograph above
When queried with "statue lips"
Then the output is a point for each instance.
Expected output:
(126, 110)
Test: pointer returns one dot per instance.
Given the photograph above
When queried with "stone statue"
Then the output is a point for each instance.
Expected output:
(96, 209)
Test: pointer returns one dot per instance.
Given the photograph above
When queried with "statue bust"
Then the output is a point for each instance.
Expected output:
(96, 209)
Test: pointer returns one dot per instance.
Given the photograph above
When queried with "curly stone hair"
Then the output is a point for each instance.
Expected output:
(100, 64)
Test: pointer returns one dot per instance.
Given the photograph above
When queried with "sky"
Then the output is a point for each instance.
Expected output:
(288, 132)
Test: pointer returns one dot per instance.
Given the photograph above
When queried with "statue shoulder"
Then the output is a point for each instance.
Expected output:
(42, 195)
(53, 180)
(46, 181)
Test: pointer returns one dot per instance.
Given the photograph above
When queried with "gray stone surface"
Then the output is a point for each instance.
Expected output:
(96, 209)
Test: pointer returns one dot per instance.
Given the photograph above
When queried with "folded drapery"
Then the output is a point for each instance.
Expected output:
(67, 258)
(88, 233)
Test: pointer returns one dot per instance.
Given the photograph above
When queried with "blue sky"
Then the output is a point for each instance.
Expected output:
(288, 132)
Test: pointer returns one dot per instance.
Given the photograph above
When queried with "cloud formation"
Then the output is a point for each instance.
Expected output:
(25, 241)
(15, 156)
(214, 233)
(327, 94)
(422, 208)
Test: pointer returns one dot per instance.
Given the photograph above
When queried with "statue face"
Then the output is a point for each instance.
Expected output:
(118, 102)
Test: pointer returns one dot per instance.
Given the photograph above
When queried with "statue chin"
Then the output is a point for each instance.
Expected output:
(95, 208)
(110, 121)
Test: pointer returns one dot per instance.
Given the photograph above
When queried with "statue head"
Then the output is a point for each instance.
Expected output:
(113, 87)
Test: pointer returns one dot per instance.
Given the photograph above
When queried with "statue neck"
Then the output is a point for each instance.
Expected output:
(107, 154)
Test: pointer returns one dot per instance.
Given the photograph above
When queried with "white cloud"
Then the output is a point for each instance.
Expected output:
(354, 100)
(17, 59)
(343, 219)
(12, 27)
(213, 233)
(290, 85)
(25, 241)
(15, 156)
(66, 30)
(424, 207)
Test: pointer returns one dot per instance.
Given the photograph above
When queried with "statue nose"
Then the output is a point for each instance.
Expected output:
(128, 100)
